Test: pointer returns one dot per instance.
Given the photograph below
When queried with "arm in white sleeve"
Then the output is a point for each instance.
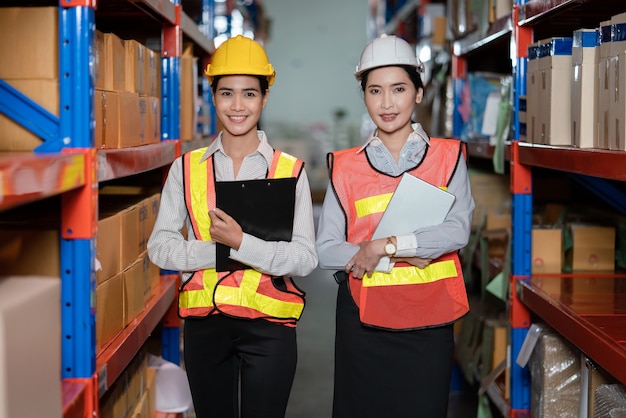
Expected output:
(333, 250)
(167, 247)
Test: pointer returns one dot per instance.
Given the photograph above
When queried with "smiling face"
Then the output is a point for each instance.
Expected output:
(239, 101)
(390, 98)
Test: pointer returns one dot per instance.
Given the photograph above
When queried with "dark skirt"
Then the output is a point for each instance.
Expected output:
(382, 373)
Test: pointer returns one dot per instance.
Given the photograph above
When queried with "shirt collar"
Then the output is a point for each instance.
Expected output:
(265, 149)
(418, 134)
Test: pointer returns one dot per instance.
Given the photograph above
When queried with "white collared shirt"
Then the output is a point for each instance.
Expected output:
(170, 250)
(430, 242)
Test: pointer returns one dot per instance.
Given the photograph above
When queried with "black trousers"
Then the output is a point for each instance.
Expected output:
(224, 356)
(381, 373)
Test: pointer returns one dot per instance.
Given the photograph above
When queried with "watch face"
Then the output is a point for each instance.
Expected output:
(390, 249)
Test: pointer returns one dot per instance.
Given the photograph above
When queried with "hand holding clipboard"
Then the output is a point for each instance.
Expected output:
(263, 208)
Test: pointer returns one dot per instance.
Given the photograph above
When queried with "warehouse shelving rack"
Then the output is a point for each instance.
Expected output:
(598, 335)
(67, 164)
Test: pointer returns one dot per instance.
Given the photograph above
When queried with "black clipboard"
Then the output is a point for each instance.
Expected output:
(264, 208)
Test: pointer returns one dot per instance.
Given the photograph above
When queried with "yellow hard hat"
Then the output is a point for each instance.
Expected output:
(240, 55)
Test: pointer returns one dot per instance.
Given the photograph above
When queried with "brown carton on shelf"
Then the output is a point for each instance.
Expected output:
(188, 95)
(29, 43)
(107, 119)
(108, 246)
(592, 248)
(134, 56)
(98, 59)
(546, 250)
(109, 309)
(134, 288)
(114, 62)
(30, 360)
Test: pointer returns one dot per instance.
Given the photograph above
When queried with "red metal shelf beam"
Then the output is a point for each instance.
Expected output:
(112, 361)
(601, 336)
(592, 162)
(27, 177)
(117, 163)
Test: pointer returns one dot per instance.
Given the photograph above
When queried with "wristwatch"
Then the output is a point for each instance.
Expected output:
(390, 247)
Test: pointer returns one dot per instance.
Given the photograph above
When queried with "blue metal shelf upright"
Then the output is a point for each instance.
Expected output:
(68, 155)
(521, 189)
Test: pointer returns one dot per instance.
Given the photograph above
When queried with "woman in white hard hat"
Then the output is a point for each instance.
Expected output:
(394, 326)
(240, 309)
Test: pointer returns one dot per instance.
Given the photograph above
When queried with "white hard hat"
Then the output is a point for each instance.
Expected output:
(387, 50)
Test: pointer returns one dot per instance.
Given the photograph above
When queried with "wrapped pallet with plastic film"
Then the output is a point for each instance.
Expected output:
(610, 401)
(555, 377)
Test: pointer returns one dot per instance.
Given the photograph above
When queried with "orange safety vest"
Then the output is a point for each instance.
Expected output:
(407, 297)
(242, 293)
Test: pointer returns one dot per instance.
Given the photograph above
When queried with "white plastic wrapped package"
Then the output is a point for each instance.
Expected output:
(610, 401)
(555, 377)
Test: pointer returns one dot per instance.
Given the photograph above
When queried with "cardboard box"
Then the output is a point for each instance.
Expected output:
(114, 402)
(547, 254)
(108, 246)
(592, 377)
(555, 95)
(585, 58)
(617, 85)
(592, 248)
(114, 63)
(29, 43)
(134, 288)
(134, 56)
(617, 113)
(109, 309)
(30, 352)
(153, 121)
(151, 390)
(98, 59)
(533, 89)
(45, 92)
(188, 96)
(107, 119)
(603, 96)
(152, 73)
(132, 116)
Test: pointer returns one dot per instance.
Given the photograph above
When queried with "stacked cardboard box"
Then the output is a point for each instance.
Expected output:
(126, 79)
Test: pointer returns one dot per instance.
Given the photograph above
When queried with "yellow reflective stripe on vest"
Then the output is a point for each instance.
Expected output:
(200, 298)
(371, 205)
(375, 204)
(198, 185)
(285, 166)
(245, 295)
(412, 275)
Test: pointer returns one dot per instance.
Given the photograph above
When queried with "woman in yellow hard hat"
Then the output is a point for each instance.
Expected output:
(398, 295)
(237, 297)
